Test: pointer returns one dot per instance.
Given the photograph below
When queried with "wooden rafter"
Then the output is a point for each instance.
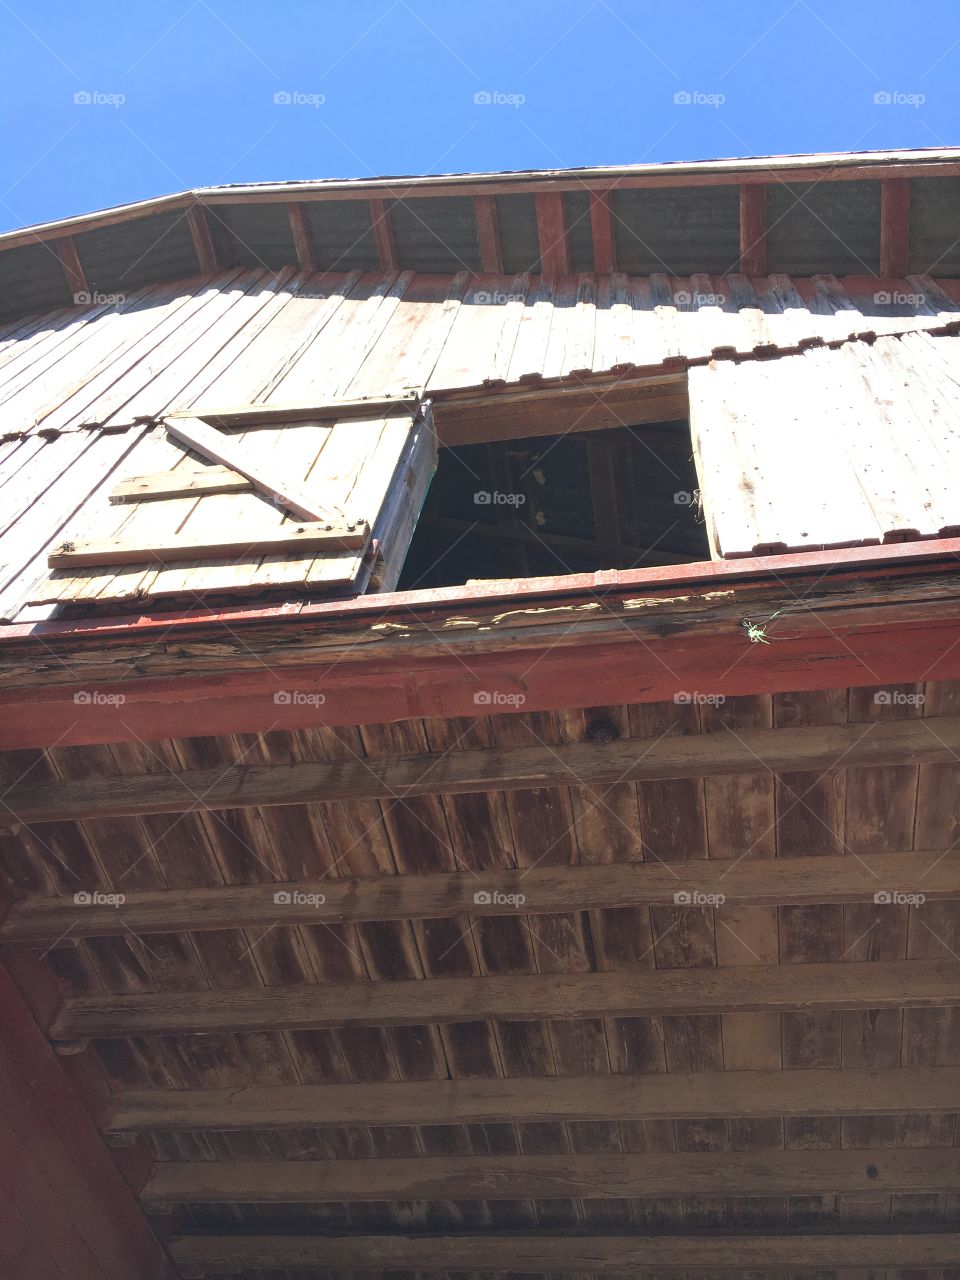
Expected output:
(791, 882)
(535, 1252)
(552, 231)
(933, 740)
(739, 1095)
(302, 240)
(921, 984)
(488, 235)
(894, 227)
(596, 1177)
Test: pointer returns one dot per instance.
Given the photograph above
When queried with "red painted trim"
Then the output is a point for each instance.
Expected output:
(753, 230)
(552, 230)
(601, 226)
(488, 235)
(761, 570)
(66, 1180)
(894, 226)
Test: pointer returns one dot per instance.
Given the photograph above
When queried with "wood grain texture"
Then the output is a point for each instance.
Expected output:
(930, 741)
(874, 985)
(679, 1095)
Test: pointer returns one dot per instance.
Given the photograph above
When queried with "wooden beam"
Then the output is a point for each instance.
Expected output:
(383, 234)
(753, 882)
(552, 232)
(292, 539)
(887, 984)
(347, 409)
(733, 1095)
(594, 1177)
(894, 227)
(534, 1252)
(604, 240)
(203, 246)
(66, 252)
(488, 235)
(182, 483)
(213, 444)
(302, 240)
(932, 740)
(601, 468)
(753, 230)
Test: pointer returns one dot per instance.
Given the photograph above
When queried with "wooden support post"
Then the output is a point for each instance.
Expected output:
(302, 240)
(66, 251)
(383, 234)
(604, 240)
(203, 245)
(552, 230)
(488, 235)
(894, 228)
(753, 230)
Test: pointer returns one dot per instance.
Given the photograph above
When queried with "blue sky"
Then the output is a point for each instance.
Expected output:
(107, 101)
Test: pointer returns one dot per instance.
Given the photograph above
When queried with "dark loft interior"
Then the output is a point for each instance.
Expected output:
(617, 499)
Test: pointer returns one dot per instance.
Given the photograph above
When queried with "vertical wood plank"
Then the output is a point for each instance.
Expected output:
(302, 241)
(203, 245)
(488, 235)
(601, 226)
(66, 251)
(753, 229)
(894, 227)
(552, 231)
(383, 234)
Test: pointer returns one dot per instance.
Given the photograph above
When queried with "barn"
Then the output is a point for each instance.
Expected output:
(480, 728)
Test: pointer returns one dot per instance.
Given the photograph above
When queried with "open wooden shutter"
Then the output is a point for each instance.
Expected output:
(314, 506)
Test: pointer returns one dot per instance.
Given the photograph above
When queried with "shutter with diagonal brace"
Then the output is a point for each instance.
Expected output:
(318, 505)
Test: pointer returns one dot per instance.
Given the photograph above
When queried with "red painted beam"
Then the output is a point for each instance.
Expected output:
(383, 234)
(894, 227)
(488, 235)
(65, 1190)
(552, 230)
(753, 230)
(601, 225)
